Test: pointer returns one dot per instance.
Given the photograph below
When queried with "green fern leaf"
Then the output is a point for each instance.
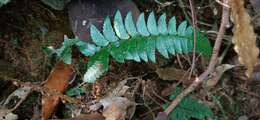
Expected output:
(141, 25)
(65, 51)
(145, 38)
(162, 25)
(151, 24)
(161, 47)
(86, 48)
(172, 26)
(97, 37)
(170, 46)
(129, 25)
(181, 31)
(125, 40)
(108, 31)
(119, 26)
(182, 28)
(150, 50)
(189, 108)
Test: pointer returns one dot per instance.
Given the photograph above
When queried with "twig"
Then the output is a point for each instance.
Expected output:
(213, 61)
(148, 112)
(181, 4)
(194, 25)
(179, 61)
(223, 4)
(224, 53)
(147, 106)
(165, 3)
(250, 93)
(138, 84)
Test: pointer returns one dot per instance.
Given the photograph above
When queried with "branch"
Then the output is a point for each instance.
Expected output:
(213, 62)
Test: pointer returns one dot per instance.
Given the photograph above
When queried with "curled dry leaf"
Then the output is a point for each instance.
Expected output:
(216, 75)
(57, 81)
(244, 37)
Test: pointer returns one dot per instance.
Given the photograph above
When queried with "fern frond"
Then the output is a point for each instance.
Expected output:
(125, 40)
(189, 108)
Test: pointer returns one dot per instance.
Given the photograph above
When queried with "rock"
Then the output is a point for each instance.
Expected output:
(84, 13)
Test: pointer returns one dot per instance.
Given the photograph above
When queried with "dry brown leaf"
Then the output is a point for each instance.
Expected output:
(57, 81)
(117, 108)
(216, 75)
(244, 37)
(171, 73)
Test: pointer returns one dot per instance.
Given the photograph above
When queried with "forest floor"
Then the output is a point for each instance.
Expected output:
(27, 26)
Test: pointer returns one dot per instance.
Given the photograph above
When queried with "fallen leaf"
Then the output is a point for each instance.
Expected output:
(57, 81)
(171, 73)
(5, 114)
(117, 108)
(244, 37)
(161, 116)
(17, 97)
(120, 90)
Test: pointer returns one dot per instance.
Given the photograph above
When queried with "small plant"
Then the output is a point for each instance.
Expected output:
(189, 108)
(129, 41)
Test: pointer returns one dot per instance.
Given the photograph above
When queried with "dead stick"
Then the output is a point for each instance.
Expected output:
(213, 61)
(194, 25)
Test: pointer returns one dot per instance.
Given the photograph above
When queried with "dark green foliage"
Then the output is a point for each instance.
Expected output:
(75, 91)
(189, 108)
(4, 2)
(124, 40)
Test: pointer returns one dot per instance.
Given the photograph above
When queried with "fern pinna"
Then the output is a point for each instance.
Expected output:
(125, 40)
